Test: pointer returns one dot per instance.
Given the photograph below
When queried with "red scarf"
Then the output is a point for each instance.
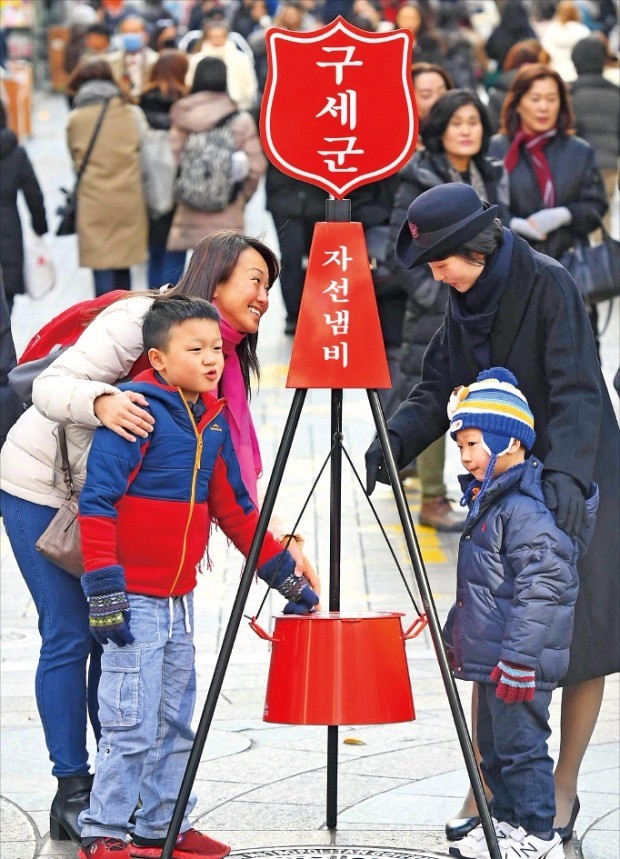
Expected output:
(242, 429)
(534, 144)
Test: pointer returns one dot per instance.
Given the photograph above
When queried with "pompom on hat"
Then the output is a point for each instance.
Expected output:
(494, 405)
(440, 221)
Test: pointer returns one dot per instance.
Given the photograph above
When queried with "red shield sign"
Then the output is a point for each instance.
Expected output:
(338, 109)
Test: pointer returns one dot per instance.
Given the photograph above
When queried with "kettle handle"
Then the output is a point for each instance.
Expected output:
(416, 627)
(262, 633)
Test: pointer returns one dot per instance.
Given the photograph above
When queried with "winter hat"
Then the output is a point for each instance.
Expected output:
(495, 406)
(589, 56)
(440, 221)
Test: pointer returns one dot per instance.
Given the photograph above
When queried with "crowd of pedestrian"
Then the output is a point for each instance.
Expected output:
(517, 159)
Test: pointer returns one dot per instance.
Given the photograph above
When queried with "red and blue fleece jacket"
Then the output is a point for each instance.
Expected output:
(148, 505)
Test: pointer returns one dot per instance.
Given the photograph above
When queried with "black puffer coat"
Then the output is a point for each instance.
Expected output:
(427, 299)
(596, 104)
(541, 334)
(578, 186)
(16, 174)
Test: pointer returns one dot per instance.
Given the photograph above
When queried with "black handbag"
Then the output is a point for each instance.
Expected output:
(68, 209)
(595, 268)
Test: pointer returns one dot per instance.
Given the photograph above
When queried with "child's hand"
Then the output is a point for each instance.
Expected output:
(295, 543)
(515, 683)
(108, 606)
(279, 573)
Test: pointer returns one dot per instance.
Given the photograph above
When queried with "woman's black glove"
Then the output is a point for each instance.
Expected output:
(375, 466)
(564, 497)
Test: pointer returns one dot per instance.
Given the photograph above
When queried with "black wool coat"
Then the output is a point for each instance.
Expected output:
(16, 174)
(542, 334)
(578, 186)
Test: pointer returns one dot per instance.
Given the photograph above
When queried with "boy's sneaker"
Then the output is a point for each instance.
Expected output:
(474, 845)
(105, 848)
(190, 845)
(520, 845)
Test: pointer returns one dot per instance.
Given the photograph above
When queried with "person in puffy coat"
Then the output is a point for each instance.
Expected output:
(16, 174)
(204, 107)
(511, 626)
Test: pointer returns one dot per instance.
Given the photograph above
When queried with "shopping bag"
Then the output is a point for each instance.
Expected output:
(39, 273)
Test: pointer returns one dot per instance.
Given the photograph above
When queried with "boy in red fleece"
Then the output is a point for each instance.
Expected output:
(145, 513)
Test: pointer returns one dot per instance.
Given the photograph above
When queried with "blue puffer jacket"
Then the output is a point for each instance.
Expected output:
(517, 582)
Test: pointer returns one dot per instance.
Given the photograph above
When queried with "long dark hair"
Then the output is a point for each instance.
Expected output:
(522, 82)
(434, 125)
(213, 263)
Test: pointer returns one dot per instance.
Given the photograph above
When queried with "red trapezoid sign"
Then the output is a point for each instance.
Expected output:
(338, 109)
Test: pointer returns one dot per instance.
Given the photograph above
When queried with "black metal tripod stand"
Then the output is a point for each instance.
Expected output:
(334, 605)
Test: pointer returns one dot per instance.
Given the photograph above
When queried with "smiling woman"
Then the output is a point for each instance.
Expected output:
(234, 272)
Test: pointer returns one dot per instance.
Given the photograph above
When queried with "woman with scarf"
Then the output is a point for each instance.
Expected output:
(556, 190)
(512, 306)
(456, 134)
(233, 271)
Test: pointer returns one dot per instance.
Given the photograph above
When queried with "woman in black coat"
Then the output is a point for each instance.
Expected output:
(512, 306)
(16, 174)
(557, 193)
(456, 134)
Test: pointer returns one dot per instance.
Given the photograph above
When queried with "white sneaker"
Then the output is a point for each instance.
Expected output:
(474, 845)
(520, 845)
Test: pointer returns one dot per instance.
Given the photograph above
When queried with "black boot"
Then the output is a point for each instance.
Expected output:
(72, 797)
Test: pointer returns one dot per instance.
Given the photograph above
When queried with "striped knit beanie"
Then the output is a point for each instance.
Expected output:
(495, 406)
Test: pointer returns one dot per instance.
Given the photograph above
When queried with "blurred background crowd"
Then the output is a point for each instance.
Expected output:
(519, 98)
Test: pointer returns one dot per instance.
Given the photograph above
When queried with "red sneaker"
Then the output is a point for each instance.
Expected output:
(105, 848)
(190, 845)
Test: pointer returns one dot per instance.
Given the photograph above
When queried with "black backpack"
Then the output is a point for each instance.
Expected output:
(204, 180)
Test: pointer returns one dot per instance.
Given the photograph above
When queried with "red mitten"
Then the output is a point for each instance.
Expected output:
(515, 683)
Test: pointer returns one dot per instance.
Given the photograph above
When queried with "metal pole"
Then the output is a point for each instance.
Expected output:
(335, 533)
(434, 627)
(236, 614)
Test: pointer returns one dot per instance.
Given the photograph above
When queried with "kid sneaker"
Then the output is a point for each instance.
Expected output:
(105, 848)
(474, 845)
(191, 844)
(520, 845)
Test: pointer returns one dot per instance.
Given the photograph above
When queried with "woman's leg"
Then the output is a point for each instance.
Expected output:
(122, 278)
(66, 640)
(581, 704)
(104, 280)
(468, 809)
(172, 266)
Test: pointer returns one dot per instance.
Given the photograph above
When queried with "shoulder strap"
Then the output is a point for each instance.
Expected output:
(64, 456)
(225, 119)
(92, 141)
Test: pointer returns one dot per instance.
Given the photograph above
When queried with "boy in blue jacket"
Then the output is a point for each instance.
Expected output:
(511, 626)
(145, 513)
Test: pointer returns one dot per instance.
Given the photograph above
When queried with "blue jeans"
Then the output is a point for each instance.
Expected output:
(64, 697)
(512, 739)
(109, 279)
(146, 702)
(164, 266)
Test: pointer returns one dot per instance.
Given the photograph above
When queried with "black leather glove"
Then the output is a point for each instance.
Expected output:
(564, 497)
(375, 466)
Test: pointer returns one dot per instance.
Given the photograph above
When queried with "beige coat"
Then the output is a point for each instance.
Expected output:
(65, 392)
(112, 223)
(200, 112)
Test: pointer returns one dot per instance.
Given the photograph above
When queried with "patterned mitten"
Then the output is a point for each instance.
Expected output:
(515, 683)
(279, 573)
(108, 605)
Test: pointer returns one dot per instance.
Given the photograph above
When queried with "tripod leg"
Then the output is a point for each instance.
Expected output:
(236, 614)
(433, 625)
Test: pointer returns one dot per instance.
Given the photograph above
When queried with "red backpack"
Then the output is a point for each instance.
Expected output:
(60, 333)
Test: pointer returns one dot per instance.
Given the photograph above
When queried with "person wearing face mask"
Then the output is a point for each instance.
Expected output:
(455, 133)
(557, 193)
(512, 306)
(132, 63)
